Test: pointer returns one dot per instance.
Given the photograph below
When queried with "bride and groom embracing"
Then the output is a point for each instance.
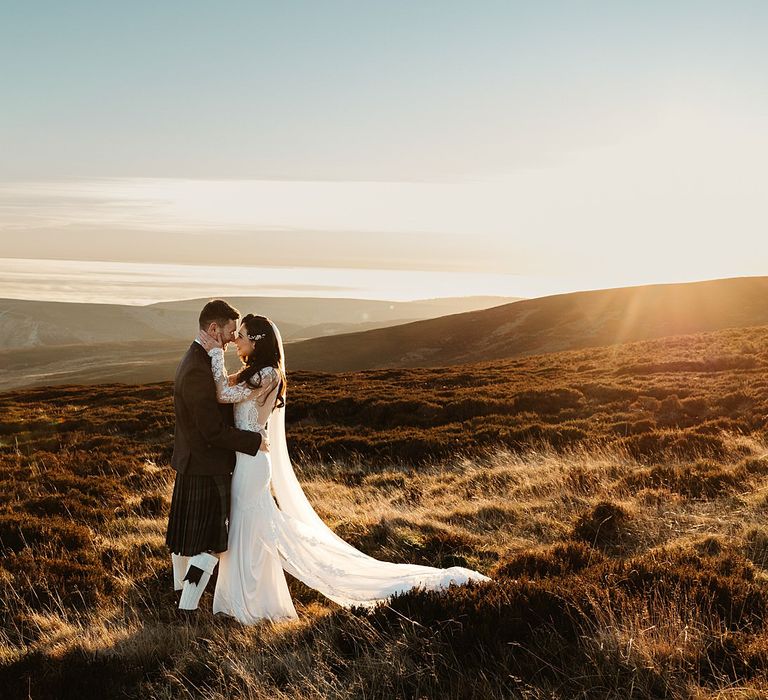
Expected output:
(236, 500)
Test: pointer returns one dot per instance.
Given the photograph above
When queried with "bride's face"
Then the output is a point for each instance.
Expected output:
(245, 346)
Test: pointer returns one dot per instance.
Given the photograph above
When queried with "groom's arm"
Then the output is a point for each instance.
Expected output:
(199, 394)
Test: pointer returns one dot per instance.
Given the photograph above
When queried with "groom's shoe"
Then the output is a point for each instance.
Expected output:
(198, 574)
(180, 566)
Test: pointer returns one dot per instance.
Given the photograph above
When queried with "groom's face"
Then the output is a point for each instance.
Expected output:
(225, 333)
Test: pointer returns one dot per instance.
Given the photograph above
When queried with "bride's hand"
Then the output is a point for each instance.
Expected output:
(208, 341)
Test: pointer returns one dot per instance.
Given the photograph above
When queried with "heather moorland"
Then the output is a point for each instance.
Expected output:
(616, 496)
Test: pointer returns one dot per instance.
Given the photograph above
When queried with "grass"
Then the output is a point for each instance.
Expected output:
(626, 563)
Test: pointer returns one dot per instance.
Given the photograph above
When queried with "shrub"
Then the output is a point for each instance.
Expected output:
(558, 560)
(74, 505)
(723, 585)
(658, 445)
(152, 506)
(604, 526)
(704, 479)
(19, 531)
(695, 406)
(545, 402)
(68, 579)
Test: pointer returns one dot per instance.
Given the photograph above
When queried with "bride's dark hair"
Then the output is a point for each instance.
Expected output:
(266, 353)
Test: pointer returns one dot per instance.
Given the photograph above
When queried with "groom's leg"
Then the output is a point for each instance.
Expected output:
(198, 574)
(180, 566)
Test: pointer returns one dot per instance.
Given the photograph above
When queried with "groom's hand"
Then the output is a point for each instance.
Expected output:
(264, 440)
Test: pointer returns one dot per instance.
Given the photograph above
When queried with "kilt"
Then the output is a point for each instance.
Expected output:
(199, 517)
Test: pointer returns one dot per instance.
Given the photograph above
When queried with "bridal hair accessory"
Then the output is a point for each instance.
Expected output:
(258, 336)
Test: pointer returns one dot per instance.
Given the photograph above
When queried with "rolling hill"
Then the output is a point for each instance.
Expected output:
(529, 327)
(45, 343)
(544, 325)
(26, 323)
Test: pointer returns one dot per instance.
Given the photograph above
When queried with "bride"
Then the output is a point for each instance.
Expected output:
(267, 538)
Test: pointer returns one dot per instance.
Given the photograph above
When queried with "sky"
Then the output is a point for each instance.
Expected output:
(593, 141)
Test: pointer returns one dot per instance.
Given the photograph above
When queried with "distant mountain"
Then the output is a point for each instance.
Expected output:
(25, 324)
(44, 343)
(544, 325)
(536, 326)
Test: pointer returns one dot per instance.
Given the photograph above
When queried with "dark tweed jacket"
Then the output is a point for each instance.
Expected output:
(205, 440)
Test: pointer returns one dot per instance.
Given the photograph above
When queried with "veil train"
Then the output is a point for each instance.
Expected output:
(313, 553)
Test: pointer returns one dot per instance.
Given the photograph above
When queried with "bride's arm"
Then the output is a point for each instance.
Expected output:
(224, 392)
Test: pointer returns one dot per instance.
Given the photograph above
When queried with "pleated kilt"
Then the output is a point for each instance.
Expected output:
(199, 517)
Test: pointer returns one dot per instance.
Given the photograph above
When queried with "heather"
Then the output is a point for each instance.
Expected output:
(616, 496)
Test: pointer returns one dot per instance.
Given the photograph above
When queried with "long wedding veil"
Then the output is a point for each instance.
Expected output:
(316, 555)
(286, 487)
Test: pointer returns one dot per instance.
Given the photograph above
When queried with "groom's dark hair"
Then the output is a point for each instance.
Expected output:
(217, 311)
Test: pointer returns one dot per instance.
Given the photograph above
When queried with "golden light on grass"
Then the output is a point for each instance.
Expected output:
(618, 503)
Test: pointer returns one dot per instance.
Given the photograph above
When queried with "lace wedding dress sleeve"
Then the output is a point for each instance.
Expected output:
(242, 391)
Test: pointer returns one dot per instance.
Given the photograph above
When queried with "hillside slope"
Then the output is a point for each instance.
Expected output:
(633, 394)
(548, 324)
(27, 323)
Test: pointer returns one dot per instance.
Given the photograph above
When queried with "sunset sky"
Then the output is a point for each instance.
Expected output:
(604, 142)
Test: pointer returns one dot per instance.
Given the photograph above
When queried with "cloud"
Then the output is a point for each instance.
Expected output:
(682, 198)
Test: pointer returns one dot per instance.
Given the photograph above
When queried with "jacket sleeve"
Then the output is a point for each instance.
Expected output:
(199, 394)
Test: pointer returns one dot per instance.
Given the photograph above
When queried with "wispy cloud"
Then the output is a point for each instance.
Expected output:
(683, 198)
(132, 283)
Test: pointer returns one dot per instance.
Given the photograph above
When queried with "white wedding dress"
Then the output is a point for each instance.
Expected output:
(266, 539)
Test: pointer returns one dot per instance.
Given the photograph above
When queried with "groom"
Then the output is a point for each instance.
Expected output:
(204, 447)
